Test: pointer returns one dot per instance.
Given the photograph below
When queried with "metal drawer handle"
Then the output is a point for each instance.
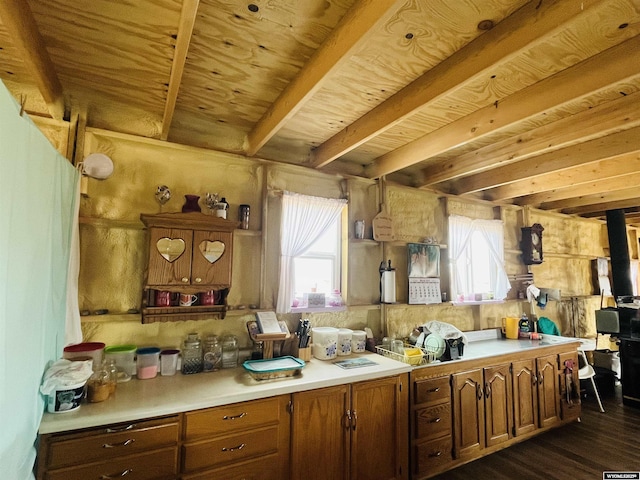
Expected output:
(121, 429)
(435, 420)
(232, 449)
(117, 475)
(435, 390)
(435, 454)
(233, 417)
(123, 444)
(354, 420)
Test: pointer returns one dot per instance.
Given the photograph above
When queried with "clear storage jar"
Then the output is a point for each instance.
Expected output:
(192, 355)
(212, 354)
(230, 351)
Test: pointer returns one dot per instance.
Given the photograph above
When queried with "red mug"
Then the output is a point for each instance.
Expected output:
(163, 298)
(208, 297)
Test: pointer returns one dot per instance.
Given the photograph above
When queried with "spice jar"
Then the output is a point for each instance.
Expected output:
(212, 354)
(230, 351)
(192, 355)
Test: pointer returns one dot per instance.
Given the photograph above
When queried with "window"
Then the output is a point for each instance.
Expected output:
(318, 268)
(310, 239)
(476, 253)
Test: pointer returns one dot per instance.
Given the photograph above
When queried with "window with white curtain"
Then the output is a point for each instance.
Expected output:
(476, 255)
(310, 238)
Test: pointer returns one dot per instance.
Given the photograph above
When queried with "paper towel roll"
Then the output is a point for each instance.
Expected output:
(388, 286)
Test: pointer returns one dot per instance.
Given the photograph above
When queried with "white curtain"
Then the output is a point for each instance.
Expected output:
(460, 231)
(304, 219)
(38, 203)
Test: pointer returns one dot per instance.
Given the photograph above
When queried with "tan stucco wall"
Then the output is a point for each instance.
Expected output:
(114, 249)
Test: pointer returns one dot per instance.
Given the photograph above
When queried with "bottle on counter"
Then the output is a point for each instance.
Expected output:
(524, 326)
(192, 355)
(211, 354)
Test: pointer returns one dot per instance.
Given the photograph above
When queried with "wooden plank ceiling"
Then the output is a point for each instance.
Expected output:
(533, 103)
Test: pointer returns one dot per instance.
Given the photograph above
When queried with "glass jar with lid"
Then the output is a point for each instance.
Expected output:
(192, 354)
(212, 354)
(230, 351)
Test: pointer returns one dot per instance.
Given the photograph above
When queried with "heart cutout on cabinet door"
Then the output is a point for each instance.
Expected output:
(212, 250)
(170, 248)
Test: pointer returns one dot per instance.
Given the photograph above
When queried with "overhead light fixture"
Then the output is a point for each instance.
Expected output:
(95, 165)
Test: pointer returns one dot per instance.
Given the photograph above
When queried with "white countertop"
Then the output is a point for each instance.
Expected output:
(138, 399)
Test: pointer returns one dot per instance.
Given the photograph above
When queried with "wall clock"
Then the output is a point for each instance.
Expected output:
(531, 244)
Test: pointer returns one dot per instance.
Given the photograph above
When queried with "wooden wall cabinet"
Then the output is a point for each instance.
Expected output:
(145, 450)
(188, 253)
(356, 431)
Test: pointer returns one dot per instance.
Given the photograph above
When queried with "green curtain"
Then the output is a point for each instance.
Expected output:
(37, 204)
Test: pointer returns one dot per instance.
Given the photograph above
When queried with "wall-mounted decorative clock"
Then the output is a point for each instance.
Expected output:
(531, 244)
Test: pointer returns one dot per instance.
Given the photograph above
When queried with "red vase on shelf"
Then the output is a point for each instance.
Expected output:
(191, 204)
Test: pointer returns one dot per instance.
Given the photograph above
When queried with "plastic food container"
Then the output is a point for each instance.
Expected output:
(94, 350)
(344, 341)
(358, 341)
(148, 362)
(65, 398)
(271, 368)
(124, 356)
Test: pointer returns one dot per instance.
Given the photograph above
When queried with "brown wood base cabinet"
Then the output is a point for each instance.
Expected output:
(464, 410)
(248, 440)
(145, 450)
(356, 431)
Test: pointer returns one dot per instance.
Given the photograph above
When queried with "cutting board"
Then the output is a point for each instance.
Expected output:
(383, 227)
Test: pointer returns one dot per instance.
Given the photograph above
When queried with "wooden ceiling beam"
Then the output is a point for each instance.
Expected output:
(604, 206)
(621, 143)
(183, 40)
(18, 20)
(528, 26)
(594, 122)
(594, 74)
(350, 35)
(592, 198)
(544, 191)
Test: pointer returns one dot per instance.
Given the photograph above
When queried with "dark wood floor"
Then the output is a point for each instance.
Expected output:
(601, 442)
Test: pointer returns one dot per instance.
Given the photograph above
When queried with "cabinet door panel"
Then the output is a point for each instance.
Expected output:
(379, 428)
(203, 272)
(431, 455)
(525, 403)
(548, 388)
(468, 409)
(320, 436)
(161, 270)
(497, 389)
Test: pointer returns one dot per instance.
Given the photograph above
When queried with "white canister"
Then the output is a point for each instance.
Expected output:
(358, 341)
(344, 341)
(325, 342)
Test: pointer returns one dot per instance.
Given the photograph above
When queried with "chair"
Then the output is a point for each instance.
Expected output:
(587, 372)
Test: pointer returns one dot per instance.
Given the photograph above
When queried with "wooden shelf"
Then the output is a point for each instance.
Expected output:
(169, 314)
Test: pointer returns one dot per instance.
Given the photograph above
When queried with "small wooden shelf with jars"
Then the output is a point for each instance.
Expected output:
(189, 254)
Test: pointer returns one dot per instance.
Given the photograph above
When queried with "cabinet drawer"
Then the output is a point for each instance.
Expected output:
(263, 468)
(431, 455)
(433, 390)
(155, 465)
(232, 418)
(106, 443)
(432, 422)
(230, 448)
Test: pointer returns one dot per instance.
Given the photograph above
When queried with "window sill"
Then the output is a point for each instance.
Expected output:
(341, 308)
(477, 302)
